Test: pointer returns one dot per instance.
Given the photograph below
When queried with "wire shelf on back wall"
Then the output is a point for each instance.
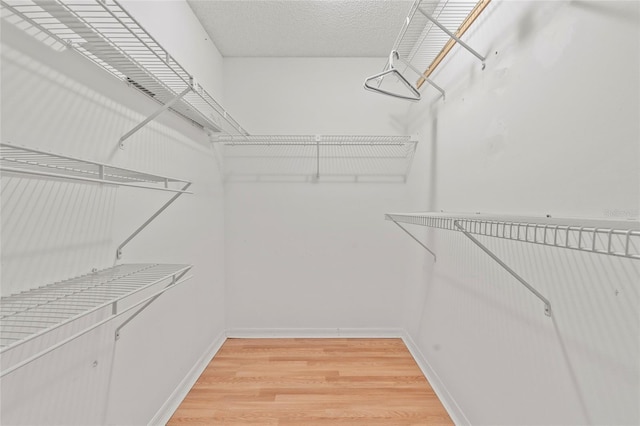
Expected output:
(317, 158)
(106, 34)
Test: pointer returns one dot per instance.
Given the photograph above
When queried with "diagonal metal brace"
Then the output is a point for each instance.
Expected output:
(144, 225)
(452, 35)
(424, 75)
(415, 239)
(174, 281)
(547, 304)
(159, 111)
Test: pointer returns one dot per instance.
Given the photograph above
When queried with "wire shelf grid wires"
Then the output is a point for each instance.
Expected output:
(621, 241)
(312, 139)
(314, 157)
(420, 41)
(18, 159)
(26, 315)
(105, 33)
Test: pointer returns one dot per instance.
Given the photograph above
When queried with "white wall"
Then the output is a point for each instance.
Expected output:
(314, 257)
(58, 101)
(549, 127)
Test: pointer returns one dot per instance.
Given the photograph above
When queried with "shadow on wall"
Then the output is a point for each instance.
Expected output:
(52, 230)
(35, 87)
(609, 9)
(588, 347)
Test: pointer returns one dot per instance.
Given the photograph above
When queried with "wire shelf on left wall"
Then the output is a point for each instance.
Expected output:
(32, 314)
(29, 314)
(104, 32)
(23, 160)
(69, 304)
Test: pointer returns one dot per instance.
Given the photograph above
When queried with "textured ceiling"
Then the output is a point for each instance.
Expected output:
(302, 28)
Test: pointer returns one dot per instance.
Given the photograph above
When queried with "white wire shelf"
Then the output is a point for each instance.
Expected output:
(614, 238)
(430, 31)
(611, 237)
(104, 32)
(313, 158)
(22, 160)
(30, 314)
(312, 140)
(420, 41)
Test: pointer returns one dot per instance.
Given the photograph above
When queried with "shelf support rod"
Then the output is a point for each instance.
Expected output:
(156, 214)
(423, 75)
(173, 282)
(318, 137)
(159, 111)
(452, 35)
(547, 304)
(414, 238)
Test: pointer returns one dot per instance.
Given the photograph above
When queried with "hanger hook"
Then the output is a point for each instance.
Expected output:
(391, 57)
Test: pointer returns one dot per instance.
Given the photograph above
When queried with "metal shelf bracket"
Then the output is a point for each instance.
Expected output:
(148, 221)
(150, 118)
(174, 280)
(547, 304)
(414, 238)
(318, 140)
(452, 35)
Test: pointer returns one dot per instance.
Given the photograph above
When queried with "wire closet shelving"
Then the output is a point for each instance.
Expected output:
(33, 313)
(430, 31)
(331, 158)
(104, 32)
(23, 160)
(613, 238)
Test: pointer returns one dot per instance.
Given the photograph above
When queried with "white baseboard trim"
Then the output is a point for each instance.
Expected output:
(254, 333)
(172, 403)
(447, 400)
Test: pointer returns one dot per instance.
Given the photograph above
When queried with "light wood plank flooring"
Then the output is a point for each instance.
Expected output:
(312, 382)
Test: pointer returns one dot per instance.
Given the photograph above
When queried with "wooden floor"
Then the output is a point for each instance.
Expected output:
(312, 382)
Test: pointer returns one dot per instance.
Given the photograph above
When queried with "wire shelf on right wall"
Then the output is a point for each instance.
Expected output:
(431, 30)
